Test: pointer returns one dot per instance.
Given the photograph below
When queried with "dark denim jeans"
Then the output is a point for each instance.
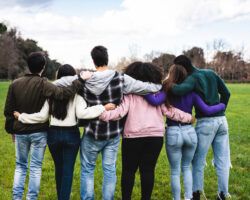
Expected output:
(64, 145)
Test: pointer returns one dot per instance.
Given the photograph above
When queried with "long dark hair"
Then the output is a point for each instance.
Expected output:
(146, 72)
(176, 75)
(58, 108)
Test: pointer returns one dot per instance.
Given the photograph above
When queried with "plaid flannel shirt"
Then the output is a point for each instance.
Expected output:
(101, 130)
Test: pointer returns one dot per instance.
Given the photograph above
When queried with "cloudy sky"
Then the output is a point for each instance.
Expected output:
(69, 29)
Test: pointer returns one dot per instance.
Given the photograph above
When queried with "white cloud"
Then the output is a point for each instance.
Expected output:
(152, 24)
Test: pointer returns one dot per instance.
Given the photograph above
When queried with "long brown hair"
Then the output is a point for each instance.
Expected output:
(176, 75)
(58, 108)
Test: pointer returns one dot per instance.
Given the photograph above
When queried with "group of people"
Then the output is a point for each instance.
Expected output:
(110, 105)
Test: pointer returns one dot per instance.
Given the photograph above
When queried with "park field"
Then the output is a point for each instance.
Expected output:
(238, 114)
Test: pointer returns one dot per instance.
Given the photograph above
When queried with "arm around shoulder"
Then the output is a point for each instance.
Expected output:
(185, 87)
(134, 86)
(59, 93)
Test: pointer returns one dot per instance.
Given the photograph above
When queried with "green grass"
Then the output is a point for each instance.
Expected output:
(238, 115)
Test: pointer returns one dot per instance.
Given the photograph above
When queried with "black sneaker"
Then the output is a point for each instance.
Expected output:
(222, 196)
(196, 195)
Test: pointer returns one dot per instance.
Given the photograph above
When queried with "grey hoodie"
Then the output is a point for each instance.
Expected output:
(101, 79)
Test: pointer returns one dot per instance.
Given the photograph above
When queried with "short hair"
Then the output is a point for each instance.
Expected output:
(36, 62)
(146, 72)
(99, 55)
(185, 62)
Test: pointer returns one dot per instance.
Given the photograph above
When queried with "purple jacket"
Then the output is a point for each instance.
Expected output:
(185, 103)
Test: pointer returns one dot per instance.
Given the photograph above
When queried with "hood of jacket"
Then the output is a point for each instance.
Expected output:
(99, 81)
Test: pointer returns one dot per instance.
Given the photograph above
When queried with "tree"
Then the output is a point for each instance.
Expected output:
(164, 61)
(8, 57)
(14, 51)
(3, 28)
(196, 54)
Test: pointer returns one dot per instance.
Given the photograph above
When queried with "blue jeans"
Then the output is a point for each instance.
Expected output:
(33, 144)
(64, 145)
(212, 131)
(181, 142)
(90, 148)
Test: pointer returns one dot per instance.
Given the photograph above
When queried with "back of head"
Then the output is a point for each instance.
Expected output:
(58, 108)
(146, 72)
(99, 55)
(36, 62)
(176, 75)
(65, 70)
(185, 62)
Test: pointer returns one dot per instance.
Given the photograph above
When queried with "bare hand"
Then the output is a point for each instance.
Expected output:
(85, 75)
(16, 114)
(109, 106)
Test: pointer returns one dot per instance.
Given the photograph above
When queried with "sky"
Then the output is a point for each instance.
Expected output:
(69, 29)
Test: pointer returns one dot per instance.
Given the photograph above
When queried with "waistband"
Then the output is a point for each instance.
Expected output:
(179, 124)
(64, 127)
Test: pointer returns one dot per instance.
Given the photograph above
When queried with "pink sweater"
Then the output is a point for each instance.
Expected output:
(143, 120)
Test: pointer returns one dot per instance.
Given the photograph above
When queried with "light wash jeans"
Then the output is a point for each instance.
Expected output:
(212, 131)
(181, 142)
(90, 148)
(33, 144)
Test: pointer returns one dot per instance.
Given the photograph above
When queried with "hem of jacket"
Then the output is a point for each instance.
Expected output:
(102, 137)
(220, 114)
(24, 132)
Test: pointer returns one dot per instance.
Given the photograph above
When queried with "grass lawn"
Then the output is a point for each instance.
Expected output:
(238, 114)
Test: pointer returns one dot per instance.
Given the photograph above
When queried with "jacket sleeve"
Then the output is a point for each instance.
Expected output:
(176, 114)
(9, 103)
(156, 99)
(35, 118)
(185, 87)
(117, 113)
(138, 87)
(65, 81)
(204, 108)
(59, 93)
(223, 91)
(84, 112)
(9, 108)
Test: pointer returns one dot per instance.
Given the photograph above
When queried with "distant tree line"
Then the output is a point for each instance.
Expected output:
(230, 65)
(14, 51)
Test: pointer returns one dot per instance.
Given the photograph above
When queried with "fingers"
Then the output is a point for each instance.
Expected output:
(85, 75)
(110, 106)
(16, 114)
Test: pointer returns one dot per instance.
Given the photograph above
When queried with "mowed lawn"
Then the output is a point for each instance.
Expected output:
(238, 114)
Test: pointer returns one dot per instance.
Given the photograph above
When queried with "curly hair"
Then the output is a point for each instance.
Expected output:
(146, 72)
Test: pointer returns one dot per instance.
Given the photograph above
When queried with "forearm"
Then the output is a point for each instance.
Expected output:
(156, 99)
(206, 109)
(117, 113)
(185, 87)
(65, 81)
(59, 93)
(138, 87)
(34, 118)
(90, 112)
(176, 114)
